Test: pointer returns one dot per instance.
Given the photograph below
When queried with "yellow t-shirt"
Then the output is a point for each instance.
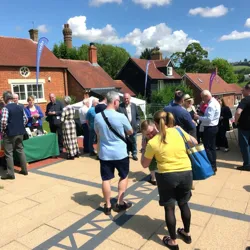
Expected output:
(170, 157)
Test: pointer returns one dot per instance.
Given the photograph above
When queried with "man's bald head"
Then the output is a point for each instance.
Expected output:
(52, 97)
(206, 95)
(15, 98)
(126, 98)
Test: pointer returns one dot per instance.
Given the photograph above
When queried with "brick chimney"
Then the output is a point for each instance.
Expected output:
(67, 35)
(156, 54)
(34, 34)
(92, 53)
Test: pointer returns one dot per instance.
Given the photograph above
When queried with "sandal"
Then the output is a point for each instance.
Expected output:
(152, 182)
(119, 208)
(165, 240)
(107, 210)
(186, 239)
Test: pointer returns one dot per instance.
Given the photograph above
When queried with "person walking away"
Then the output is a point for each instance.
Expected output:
(242, 120)
(69, 130)
(174, 177)
(82, 114)
(210, 122)
(181, 115)
(224, 126)
(53, 112)
(113, 151)
(149, 130)
(13, 123)
(130, 110)
(90, 118)
(34, 115)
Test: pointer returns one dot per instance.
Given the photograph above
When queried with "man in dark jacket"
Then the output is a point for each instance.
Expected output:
(130, 110)
(13, 123)
(54, 113)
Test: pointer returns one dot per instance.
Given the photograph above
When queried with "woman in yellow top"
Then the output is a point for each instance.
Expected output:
(174, 177)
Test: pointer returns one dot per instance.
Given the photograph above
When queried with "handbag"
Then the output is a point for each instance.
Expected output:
(126, 139)
(201, 166)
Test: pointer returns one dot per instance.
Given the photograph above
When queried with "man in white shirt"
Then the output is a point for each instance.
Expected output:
(82, 115)
(210, 122)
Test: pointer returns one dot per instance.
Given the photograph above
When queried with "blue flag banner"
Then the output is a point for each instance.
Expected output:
(213, 75)
(146, 76)
(40, 45)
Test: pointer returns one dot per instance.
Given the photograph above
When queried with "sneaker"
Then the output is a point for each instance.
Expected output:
(243, 168)
(119, 208)
(134, 157)
(226, 150)
(107, 210)
(8, 177)
(23, 172)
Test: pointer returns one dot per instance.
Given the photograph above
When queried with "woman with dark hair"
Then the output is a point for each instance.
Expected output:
(224, 126)
(174, 177)
(34, 115)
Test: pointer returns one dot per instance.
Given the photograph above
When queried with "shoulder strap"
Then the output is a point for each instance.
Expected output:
(183, 136)
(110, 127)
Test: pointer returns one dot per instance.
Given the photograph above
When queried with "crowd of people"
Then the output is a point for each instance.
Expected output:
(112, 124)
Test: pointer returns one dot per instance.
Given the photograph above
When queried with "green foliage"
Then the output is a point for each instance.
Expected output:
(238, 68)
(147, 53)
(188, 59)
(225, 70)
(61, 99)
(110, 58)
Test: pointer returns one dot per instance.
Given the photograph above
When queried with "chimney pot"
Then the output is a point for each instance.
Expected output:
(92, 53)
(67, 35)
(34, 34)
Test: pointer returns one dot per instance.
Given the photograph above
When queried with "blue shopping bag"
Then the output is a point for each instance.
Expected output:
(201, 166)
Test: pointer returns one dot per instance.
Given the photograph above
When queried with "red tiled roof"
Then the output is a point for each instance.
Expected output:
(124, 88)
(91, 77)
(153, 71)
(219, 86)
(22, 52)
(236, 88)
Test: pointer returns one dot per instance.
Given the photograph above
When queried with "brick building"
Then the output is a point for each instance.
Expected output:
(200, 81)
(18, 70)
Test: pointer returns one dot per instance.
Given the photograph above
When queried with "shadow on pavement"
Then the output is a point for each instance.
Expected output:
(247, 188)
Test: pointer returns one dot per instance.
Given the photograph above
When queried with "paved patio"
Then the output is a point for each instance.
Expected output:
(58, 207)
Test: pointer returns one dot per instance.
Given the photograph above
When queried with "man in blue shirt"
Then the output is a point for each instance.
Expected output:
(181, 115)
(113, 151)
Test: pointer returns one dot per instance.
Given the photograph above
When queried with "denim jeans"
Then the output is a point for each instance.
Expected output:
(134, 146)
(92, 137)
(86, 137)
(244, 143)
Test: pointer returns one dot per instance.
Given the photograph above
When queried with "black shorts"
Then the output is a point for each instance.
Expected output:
(175, 186)
(108, 168)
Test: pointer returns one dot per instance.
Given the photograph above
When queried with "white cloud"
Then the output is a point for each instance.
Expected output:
(209, 49)
(159, 35)
(101, 2)
(42, 28)
(147, 4)
(235, 35)
(247, 24)
(217, 11)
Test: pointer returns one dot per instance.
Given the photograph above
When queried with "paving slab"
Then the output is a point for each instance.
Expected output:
(14, 245)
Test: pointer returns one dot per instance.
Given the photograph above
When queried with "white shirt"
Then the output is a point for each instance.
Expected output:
(82, 114)
(212, 113)
(129, 113)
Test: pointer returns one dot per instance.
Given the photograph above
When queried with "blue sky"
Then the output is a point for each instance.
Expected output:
(220, 26)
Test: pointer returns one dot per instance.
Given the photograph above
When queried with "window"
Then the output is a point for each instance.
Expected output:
(169, 71)
(28, 89)
(160, 85)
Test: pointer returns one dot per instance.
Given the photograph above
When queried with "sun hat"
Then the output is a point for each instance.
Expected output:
(187, 97)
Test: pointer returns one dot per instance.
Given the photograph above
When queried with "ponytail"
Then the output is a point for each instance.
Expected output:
(162, 129)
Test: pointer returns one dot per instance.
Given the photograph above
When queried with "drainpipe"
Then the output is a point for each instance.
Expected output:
(65, 78)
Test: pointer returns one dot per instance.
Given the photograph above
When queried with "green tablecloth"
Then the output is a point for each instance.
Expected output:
(41, 147)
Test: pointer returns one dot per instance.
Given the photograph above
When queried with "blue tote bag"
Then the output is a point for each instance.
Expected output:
(201, 166)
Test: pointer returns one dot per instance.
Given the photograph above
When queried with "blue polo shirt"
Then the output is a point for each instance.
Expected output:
(182, 117)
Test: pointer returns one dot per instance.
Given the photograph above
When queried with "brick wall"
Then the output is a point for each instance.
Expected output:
(75, 89)
(56, 85)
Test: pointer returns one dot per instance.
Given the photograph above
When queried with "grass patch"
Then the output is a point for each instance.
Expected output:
(46, 126)
(240, 67)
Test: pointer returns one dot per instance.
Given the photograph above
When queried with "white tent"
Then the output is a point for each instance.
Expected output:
(139, 102)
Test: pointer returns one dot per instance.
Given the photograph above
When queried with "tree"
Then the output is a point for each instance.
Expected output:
(146, 54)
(204, 66)
(225, 70)
(110, 58)
(188, 59)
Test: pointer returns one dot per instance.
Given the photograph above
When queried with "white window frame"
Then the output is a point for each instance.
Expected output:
(168, 69)
(27, 82)
(160, 85)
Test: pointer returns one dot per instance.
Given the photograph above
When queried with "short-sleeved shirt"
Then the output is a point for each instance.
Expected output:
(111, 147)
(170, 157)
(244, 120)
(90, 117)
